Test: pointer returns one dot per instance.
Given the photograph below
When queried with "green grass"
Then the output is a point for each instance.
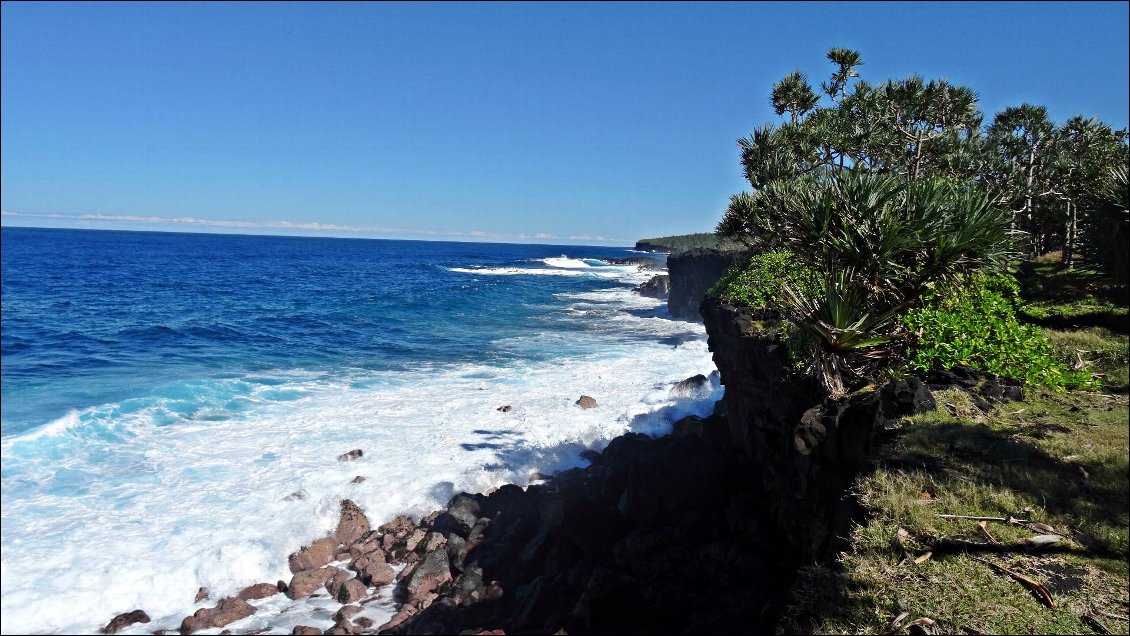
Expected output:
(1075, 298)
(1025, 459)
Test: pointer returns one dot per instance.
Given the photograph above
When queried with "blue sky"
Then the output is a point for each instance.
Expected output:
(550, 123)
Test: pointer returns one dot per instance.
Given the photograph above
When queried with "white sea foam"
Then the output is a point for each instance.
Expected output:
(111, 509)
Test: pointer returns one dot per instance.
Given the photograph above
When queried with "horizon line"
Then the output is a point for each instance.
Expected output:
(303, 236)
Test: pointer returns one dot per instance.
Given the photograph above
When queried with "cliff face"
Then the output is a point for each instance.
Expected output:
(692, 274)
(805, 450)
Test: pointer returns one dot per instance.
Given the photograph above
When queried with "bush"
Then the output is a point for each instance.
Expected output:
(975, 324)
(756, 281)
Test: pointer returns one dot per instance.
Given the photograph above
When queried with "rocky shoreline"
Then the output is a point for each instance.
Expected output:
(699, 531)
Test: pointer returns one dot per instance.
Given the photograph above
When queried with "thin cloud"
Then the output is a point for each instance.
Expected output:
(309, 226)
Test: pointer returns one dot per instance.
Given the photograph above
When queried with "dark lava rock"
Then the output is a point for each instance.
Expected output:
(350, 456)
(911, 396)
(504, 409)
(356, 480)
(122, 621)
(305, 630)
(692, 386)
(657, 287)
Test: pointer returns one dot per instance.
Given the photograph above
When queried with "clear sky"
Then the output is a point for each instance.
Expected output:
(550, 123)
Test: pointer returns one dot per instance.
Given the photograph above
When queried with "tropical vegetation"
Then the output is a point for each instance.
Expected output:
(892, 197)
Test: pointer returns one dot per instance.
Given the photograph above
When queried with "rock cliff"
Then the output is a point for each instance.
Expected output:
(692, 274)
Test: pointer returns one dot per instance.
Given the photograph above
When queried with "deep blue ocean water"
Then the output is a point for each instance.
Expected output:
(164, 395)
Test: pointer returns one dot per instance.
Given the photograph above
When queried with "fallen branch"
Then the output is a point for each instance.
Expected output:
(1041, 542)
(1095, 624)
(1041, 593)
(1114, 616)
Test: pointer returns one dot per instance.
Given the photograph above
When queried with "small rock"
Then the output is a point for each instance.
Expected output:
(364, 622)
(399, 527)
(297, 495)
(122, 621)
(258, 591)
(366, 543)
(281, 585)
(586, 402)
(350, 456)
(504, 409)
(305, 630)
(201, 594)
(358, 479)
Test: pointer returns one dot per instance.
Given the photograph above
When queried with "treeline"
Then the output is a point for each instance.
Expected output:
(1066, 184)
(885, 220)
(682, 242)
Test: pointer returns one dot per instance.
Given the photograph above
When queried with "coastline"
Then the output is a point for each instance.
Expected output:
(564, 458)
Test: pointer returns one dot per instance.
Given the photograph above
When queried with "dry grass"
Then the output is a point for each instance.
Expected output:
(1059, 459)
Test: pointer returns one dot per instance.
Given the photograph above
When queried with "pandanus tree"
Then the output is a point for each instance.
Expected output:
(876, 245)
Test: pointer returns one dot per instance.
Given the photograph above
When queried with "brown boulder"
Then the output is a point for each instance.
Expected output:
(122, 621)
(347, 612)
(305, 630)
(351, 591)
(352, 524)
(364, 622)
(228, 611)
(586, 402)
(333, 586)
(432, 572)
(315, 555)
(258, 591)
(201, 595)
(358, 479)
(367, 543)
(307, 582)
(376, 572)
(350, 456)
(399, 527)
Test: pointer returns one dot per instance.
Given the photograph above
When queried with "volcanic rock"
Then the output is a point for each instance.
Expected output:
(586, 402)
(122, 621)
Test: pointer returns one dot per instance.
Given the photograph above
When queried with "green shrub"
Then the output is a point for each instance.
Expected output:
(976, 325)
(756, 281)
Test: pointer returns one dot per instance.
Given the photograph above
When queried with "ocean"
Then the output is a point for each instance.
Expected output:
(173, 405)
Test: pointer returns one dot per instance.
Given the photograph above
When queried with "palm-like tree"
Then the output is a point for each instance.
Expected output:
(878, 243)
(793, 95)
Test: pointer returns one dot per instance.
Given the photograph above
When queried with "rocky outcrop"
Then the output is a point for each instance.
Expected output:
(805, 449)
(644, 246)
(644, 263)
(228, 611)
(692, 274)
(586, 402)
(656, 287)
(656, 536)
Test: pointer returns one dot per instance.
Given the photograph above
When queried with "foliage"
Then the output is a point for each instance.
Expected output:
(1105, 231)
(875, 244)
(756, 281)
(976, 325)
(1051, 177)
(706, 240)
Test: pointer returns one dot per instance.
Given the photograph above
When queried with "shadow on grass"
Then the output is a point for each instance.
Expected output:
(1092, 496)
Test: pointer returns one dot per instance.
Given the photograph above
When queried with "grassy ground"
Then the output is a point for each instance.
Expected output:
(1058, 459)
